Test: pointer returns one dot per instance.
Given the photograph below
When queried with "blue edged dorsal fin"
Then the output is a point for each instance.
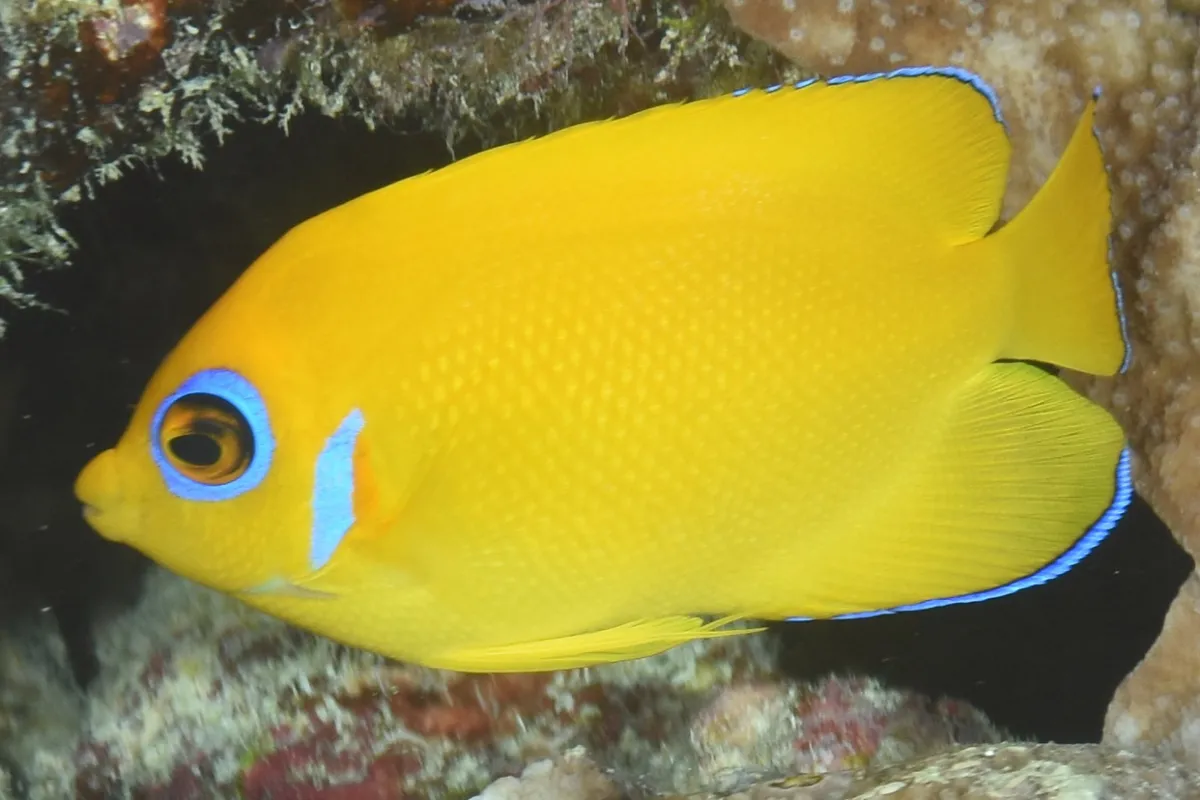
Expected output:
(933, 138)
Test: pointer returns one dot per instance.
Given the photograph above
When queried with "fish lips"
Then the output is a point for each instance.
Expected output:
(98, 489)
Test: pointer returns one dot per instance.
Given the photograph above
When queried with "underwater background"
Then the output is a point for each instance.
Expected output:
(102, 652)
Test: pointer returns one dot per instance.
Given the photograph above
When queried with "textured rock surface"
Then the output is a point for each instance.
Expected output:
(1157, 708)
(1044, 58)
(1025, 772)
(1001, 772)
(1158, 704)
(571, 776)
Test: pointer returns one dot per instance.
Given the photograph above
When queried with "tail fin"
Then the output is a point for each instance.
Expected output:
(1068, 306)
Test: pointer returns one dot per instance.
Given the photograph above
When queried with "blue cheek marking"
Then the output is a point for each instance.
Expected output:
(333, 490)
(241, 394)
(1093, 536)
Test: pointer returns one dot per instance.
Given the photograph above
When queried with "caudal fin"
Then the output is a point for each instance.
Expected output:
(1068, 307)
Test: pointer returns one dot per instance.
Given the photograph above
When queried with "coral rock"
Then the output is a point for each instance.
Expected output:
(1158, 708)
(1029, 772)
(1001, 772)
(572, 777)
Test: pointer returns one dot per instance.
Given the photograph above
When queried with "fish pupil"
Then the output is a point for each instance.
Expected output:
(197, 449)
(209, 436)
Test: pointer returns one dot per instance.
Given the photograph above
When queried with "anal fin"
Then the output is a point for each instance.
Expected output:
(1027, 477)
(632, 640)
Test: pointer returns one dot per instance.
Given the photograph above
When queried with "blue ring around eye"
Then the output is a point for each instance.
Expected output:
(241, 394)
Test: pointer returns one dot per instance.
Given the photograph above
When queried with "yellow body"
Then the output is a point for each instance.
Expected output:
(729, 358)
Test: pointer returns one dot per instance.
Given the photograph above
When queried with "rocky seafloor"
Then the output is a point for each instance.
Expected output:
(196, 696)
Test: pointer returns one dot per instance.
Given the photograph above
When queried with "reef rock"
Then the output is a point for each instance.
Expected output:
(1045, 58)
(1025, 772)
(1001, 772)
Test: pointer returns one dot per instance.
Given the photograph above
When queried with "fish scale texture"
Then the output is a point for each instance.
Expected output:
(624, 407)
(619, 406)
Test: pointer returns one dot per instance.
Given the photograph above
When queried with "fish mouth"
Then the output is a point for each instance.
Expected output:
(100, 522)
(97, 487)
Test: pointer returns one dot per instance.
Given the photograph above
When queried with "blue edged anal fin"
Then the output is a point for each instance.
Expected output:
(1026, 478)
(635, 639)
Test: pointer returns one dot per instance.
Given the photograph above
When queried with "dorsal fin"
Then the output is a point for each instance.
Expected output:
(927, 139)
(933, 137)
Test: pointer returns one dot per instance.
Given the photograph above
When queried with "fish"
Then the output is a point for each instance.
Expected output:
(585, 397)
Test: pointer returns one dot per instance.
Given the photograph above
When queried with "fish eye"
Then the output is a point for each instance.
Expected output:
(207, 438)
(211, 438)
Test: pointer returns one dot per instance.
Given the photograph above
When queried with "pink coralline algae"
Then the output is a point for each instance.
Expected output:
(755, 730)
(117, 32)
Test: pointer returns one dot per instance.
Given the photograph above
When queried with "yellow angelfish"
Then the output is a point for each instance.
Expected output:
(566, 401)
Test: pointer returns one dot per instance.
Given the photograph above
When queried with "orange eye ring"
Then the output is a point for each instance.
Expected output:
(206, 439)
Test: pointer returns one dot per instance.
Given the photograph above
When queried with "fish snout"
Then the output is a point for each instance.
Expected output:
(98, 488)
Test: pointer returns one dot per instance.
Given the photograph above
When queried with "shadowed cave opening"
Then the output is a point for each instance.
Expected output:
(157, 247)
